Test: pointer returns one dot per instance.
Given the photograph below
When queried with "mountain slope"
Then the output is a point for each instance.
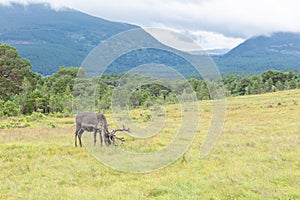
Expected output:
(279, 51)
(50, 38)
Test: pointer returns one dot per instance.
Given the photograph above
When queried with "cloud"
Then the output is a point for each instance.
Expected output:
(204, 39)
(212, 40)
(226, 21)
(237, 18)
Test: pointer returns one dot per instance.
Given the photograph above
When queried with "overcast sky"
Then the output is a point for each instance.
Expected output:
(212, 23)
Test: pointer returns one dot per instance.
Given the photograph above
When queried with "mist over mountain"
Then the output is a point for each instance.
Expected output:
(52, 38)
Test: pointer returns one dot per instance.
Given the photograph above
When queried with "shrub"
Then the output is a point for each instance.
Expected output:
(36, 116)
(1, 108)
(10, 109)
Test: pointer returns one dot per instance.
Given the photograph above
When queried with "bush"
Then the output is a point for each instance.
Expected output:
(37, 115)
(10, 109)
(1, 108)
(59, 115)
(67, 112)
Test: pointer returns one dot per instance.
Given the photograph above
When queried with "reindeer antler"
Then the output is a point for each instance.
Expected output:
(119, 129)
(114, 136)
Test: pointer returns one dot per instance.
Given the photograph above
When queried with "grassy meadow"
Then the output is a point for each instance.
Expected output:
(257, 157)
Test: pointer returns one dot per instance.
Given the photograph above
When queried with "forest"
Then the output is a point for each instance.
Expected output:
(24, 92)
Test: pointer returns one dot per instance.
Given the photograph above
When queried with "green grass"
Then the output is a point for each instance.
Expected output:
(257, 157)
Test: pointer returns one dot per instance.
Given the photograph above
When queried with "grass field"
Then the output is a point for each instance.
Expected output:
(257, 157)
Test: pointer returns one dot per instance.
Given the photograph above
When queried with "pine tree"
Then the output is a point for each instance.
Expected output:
(13, 69)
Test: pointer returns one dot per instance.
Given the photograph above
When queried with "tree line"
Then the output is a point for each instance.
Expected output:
(25, 92)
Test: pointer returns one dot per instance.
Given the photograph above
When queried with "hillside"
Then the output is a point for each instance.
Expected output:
(279, 51)
(50, 38)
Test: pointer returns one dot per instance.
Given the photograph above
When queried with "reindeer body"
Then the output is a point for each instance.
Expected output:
(91, 122)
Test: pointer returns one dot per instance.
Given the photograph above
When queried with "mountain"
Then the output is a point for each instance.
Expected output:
(279, 51)
(53, 38)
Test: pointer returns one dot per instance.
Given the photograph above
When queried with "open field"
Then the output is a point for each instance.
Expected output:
(257, 157)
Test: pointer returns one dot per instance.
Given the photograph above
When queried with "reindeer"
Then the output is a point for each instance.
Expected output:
(92, 122)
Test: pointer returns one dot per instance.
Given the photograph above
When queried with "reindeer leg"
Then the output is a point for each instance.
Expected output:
(101, 139)
(104, 134)
(106, 139)
(95, 135)
(76, 134)
(79, 136)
